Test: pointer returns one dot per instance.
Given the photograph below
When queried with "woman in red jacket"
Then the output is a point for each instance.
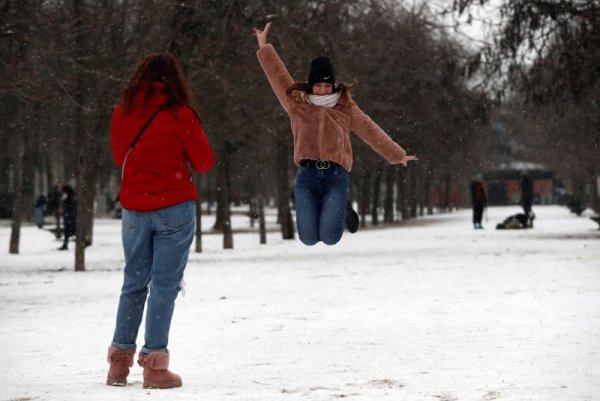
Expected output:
(155, 134)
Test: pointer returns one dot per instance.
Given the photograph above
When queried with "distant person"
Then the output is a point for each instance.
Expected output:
(322, 114)
(118, 208)
(158, 211)
(53, 207)
(515, 222)
(69, 215)
(478, 202)
(527, 198)
(39, 208)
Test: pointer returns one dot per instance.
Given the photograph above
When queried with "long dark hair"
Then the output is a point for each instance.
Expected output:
(158, 67)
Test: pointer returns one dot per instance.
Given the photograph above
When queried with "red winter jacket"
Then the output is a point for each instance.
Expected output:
(156, 173)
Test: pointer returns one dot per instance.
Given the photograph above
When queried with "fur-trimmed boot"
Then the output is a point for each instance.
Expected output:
(156, 372)
(120, 362)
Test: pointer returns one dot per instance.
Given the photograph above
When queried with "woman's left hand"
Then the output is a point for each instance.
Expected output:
(407, 159)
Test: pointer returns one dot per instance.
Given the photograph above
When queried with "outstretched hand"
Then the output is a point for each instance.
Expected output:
(407, 159)
(262, 35)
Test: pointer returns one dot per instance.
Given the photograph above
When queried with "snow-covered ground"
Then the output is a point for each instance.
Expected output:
(427, 310)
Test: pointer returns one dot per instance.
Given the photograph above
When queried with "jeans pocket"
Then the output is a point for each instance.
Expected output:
(129, 219)
(340, 173)
(176, 216)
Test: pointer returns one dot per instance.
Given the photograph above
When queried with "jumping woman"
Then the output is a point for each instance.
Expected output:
(322, 114)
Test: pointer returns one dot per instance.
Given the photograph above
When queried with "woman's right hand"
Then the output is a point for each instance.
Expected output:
(407, 159)
(262, 35)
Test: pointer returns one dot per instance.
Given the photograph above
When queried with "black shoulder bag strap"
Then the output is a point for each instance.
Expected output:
(137, 137)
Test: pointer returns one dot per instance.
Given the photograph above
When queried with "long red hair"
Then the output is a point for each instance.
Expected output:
(158, 67)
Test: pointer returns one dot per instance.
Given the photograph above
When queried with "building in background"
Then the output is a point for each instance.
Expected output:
(503, 185)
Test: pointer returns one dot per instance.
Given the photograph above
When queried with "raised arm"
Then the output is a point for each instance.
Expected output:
(276, 72)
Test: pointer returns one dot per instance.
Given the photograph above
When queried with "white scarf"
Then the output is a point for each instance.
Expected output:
(327, 101)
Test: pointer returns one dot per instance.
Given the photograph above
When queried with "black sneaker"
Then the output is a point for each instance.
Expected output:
(352, 220)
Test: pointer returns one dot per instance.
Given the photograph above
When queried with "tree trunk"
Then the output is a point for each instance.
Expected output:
(400, 195)
(81, 220)
(223, 213)
(428, 191)
(447, 206)
(220, 214)
(364, 199)
(283, 191)
(252, 212)
(260, 198)
(223, 204)
(414, 191)
(403, 195)
(388, 205)
(198, 247)
(18, 151)
(424, 192)
(594, 201)
(376, 194)
(86, 186)
(80, 145)
(579, 181)
(209, 192)
(17, 206)
(262, 226)
(29, 165)
(223, 218)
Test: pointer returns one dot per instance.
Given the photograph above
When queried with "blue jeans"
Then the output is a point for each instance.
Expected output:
(39, 216)
(156, 246)
(321, 198)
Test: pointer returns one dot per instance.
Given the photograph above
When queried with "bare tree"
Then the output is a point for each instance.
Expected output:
(549, 52)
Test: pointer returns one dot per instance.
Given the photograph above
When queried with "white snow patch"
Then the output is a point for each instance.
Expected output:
(427, 310)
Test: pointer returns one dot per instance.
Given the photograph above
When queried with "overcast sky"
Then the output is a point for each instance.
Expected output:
(475, 26)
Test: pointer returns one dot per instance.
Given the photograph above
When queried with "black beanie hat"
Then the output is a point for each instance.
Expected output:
(321, 70)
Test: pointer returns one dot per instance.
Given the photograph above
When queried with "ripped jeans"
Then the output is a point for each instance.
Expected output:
(156, 245)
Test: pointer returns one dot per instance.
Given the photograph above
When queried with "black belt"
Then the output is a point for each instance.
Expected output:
(320, 164)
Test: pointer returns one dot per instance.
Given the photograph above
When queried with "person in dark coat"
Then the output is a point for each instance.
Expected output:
(516, 222)
(478, 201)
(40, 208)
(53, 208)
(527, 198)
(69, 214)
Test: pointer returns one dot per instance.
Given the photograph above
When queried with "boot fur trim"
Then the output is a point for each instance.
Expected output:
(156, 360)
(115, 355)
